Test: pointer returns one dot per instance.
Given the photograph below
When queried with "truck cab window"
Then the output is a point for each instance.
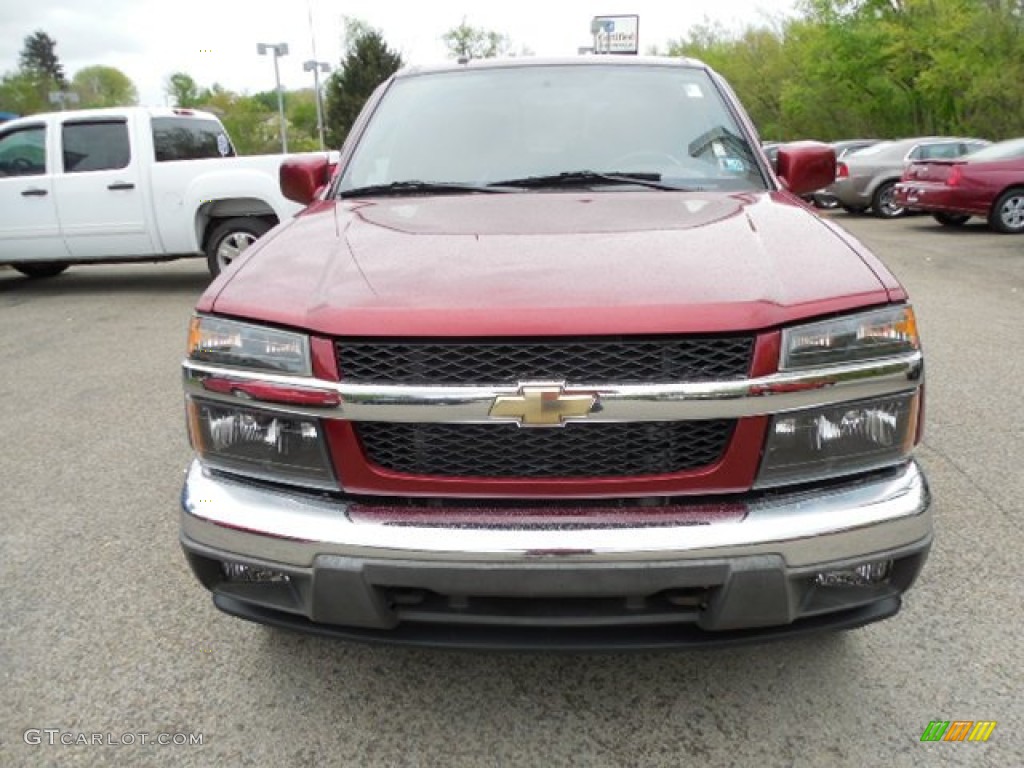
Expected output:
(23, 152)
(189, 138)
(96, 146)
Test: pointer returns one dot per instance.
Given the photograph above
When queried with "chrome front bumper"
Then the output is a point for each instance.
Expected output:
(244, 520)
(348, 576)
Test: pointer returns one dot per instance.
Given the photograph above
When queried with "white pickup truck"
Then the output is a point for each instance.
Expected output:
(130, 184)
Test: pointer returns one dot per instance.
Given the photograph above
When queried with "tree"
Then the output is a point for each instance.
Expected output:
(253, 128)
(20, 94)
(884, 68)
(27, 90)
(182, 90)
(100, 86)
(303, 134)
(909, 67)
(475, 42)
(251, 119)
(39, 57)
(268, 99)
(367, 63)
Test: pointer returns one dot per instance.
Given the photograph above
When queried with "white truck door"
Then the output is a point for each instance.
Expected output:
(29, 229)
(100, 196)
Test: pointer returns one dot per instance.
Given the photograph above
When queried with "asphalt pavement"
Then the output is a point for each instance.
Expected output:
(106, 636)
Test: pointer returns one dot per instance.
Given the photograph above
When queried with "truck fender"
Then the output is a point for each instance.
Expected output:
(221, 195)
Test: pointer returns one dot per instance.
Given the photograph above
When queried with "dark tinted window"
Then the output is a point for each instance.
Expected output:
(23, 152)
(95, 146)
(189, 138)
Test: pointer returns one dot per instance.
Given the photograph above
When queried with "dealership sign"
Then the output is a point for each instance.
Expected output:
(616, 34)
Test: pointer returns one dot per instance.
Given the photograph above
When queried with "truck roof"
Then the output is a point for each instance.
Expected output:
(115, 111)
(454, 65)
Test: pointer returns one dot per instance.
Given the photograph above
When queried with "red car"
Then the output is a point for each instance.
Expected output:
(989, 183)
(554, 359)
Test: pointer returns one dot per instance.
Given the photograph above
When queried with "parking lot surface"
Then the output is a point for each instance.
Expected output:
(106, 633)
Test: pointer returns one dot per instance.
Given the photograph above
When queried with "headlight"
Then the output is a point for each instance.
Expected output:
(262, 444)
(229, 342)
(881, 333)
(837, 440)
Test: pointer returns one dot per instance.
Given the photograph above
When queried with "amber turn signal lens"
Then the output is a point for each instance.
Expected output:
(871, 335)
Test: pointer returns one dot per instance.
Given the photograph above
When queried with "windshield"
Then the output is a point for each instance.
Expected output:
(874, 149)
(1004, 150)
(487, 126)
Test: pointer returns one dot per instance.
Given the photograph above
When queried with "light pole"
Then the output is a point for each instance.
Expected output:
(279, 50)
(317, 67)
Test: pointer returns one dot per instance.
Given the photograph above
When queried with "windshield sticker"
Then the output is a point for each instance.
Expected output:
(732, 164)
(694, 91)
(222, 145)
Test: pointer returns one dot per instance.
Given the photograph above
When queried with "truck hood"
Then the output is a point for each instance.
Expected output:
(555, 263)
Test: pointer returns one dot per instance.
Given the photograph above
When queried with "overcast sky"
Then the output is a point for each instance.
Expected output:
(215, 40)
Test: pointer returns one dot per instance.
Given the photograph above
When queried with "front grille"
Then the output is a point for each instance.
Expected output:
(630, 360)
(575, 450)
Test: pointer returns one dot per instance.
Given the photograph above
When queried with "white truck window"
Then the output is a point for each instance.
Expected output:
(96, 146)
(23, 152)
(189, 138)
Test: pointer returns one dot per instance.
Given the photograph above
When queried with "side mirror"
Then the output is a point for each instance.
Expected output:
(806, 166)
(302, 178)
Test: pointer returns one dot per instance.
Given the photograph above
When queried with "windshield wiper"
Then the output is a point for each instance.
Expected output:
(584, 178)
(413, 187)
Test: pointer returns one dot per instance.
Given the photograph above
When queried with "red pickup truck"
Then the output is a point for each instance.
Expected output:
(554, 358)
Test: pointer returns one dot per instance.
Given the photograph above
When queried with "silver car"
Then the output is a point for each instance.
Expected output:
(866, 179)
(823, 198)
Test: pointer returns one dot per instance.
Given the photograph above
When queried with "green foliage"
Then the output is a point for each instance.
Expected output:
(100, 86)
(26, 91)
(888, 68)
(355, 30)
(475, 42)
(367, 63)
(253, 129)
(839, 69)
(39, 58)
(20, 93)
(303, 135)
(252, 121)
(268, 100)
(182, 90)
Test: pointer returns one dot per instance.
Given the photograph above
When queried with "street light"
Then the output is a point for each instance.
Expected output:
(279, 50)
(317, 67)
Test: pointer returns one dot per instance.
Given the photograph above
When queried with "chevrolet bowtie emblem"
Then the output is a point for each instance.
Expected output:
(543, 405)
